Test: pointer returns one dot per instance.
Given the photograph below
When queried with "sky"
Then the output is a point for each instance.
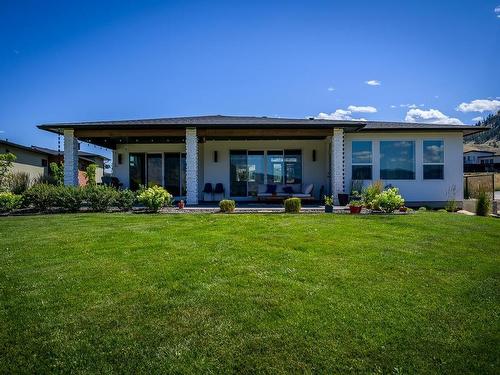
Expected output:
(415, 61)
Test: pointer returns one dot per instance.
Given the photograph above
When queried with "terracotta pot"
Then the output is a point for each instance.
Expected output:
(180, 205)
(355, 210)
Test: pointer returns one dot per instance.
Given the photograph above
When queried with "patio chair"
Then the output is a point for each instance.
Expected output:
(208, 190)
(219, 189)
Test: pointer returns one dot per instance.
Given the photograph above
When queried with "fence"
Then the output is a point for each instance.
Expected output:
(474, 183)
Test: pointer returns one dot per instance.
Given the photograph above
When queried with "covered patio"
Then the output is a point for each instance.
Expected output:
(184, 154)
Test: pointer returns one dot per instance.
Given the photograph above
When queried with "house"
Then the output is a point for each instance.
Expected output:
(481, 158)
(35, 160)
(250, 156)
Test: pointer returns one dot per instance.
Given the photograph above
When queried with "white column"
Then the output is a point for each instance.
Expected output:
(191, 166)
(70, 158)
(337, 163)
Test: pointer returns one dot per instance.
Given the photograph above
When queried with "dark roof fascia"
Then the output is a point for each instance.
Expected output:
(22, 147)
(488, 152)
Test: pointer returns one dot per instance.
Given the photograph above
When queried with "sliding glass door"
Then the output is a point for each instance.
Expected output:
(137, 170)
(154, 169)
(249, 169)
(175, 173)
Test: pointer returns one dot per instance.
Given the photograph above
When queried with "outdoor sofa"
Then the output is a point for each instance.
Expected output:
(271, 192)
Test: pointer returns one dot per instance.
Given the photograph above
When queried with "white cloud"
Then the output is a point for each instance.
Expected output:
(431, 116)
(477, 119)
(339, 114)
(393, 106)
(479, 105)
(2, 131)
(373, 82)
(408, 105)
(362, 109)
(497, 11)
(331, 88)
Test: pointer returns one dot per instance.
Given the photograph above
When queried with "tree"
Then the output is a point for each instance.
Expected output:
(90, 174)
(57, 172)
(6, 161)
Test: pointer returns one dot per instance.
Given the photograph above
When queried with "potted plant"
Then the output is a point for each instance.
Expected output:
(343, 199)
(355, 207)
(328, 203)
(180, 204)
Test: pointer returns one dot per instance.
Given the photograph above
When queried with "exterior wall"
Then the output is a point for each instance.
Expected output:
(26, 161)
(312, 172)
(418, 190)
(121, 171)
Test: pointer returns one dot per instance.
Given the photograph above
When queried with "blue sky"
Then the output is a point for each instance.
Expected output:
(430, 61)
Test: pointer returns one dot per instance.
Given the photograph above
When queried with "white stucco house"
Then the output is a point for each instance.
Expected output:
(253, 157)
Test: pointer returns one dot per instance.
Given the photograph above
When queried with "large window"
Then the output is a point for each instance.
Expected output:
(433, 160)
(397, 160)
(249, 169)
(361, 160)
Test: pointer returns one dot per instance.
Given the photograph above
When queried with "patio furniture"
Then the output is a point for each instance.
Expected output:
(280, 192)
(208, 190)
(219, 189)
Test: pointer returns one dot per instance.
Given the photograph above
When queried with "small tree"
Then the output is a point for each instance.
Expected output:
(57, 172)
(90, 174)
(6, 161)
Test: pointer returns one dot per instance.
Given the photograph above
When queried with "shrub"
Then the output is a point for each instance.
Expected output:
(355, 203)
(69, 197)
(292, 205)
(19, 182)
(41, 196)
(44, 179)
(388, 200)
(451, 206)
(227, 205)
(100, 197)
(155, 198)
(9, 201)
(370, 192)
(57, 173)
(6, 161)
(422, 209)
(482, 204)
(90, 174)
(125, 199)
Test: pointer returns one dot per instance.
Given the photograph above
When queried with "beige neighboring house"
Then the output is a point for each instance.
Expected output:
(35, 160)
(28, 160)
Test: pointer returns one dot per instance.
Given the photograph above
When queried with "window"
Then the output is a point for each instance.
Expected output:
(44, 162)
(433, 160)
(275, 167)
(397, 160)
(256, 171)
(238, 173)
(361, 160)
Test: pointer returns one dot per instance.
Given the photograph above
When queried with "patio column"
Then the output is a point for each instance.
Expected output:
(70, 158)
(337, 163)
(191, 166)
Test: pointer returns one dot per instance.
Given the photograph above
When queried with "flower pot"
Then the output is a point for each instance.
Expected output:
(355, 209)
(328, 209)
(343, 199)
(180, 205)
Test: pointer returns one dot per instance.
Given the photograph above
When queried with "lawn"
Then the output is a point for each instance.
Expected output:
(104, 293)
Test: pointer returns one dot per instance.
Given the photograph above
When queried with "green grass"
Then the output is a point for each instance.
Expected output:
(103, 293)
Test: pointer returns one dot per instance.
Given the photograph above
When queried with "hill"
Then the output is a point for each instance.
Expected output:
(490, 137)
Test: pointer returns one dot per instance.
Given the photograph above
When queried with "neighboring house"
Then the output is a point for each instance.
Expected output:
(28, 160)
(481, 158)
(35, 160)
(251, 156)
(84, 159)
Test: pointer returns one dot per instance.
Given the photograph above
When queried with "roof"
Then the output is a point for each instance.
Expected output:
(52, 152)
(242, 122)
(216, 121)
(26, 148)
(482, 151)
